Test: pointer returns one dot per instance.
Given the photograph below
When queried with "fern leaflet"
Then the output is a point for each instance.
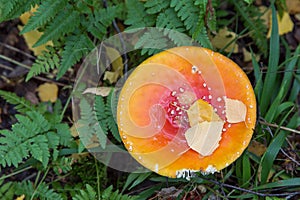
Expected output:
(45, 62)
(45, 12)
(65, 22)
(21, 104)
(137, 16)
(14, 8)
(156, 6)
(32, 136)
(41, 192)
(7, 190)
(76, 47)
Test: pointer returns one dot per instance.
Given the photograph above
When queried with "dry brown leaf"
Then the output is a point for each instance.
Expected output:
(235, 110)
(285, 24)
(32, 37)
(293, 6)
(74, 131)
(223, 38)
(48, 92)
(101, 91)
(117, 65)
(257, 148)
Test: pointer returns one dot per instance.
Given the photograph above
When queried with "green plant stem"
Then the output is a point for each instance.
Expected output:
(41, 181)
(15, 173)
(98, 179)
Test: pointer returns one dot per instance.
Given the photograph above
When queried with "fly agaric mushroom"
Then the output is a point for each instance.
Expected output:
(186, 109)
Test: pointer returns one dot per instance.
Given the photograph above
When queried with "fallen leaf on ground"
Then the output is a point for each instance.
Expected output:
(102, 91)
(117, 65)
(293, 6)
(285, 24)
(32, 37)
(257, 148)
(21, 197)
(48, 92)
(223, 38)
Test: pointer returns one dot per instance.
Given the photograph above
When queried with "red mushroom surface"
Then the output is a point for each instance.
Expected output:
(186, 109)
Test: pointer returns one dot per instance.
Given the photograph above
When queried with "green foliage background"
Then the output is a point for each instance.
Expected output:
(40, 141)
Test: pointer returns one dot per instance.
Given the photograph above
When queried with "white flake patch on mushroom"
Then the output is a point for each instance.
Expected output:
(209, 170)
(204, 137)
(186, 173)
(235, 110)
(206, 128)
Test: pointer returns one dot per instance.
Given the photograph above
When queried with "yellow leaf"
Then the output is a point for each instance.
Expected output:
(22, 197)
(112, 77)
(102, 91)
(285, 24)
(48, 92)
(248, 56)
(117, 65)
(293, 6)
(32, 37)
(223, 38)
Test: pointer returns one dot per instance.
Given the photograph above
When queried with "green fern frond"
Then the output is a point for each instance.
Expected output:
(21, 104)
(45, 62)
(152, 42)
(250, 15)
(137, 16)
(46, 11)
(7, 190)
(62, 165)
(193, 16)
(76, 47)
(89, 125)
(43, 191)
(31, 136)
(169, 19)
(38, 146)
(65, 22)
(14, 8)
(110, 120)
(156, 6)
(109, 194)
(87, 194)
(100, 20)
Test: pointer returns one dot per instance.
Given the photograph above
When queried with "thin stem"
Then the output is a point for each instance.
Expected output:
(280, 127)
(251, 191)
(43, 178)
(98, 179)
(17, 50)
(15, 173)
(14, 61)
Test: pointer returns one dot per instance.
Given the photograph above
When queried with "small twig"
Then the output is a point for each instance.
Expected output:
(14, 61)
(280, 127)
(17, 50)
(15, 173)
(251, 191)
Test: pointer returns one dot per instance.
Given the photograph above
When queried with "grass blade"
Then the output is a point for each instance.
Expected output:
(282, 183)
(272, 66)
(270, 155)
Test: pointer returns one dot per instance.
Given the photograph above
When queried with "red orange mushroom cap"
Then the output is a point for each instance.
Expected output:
(156, 117)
